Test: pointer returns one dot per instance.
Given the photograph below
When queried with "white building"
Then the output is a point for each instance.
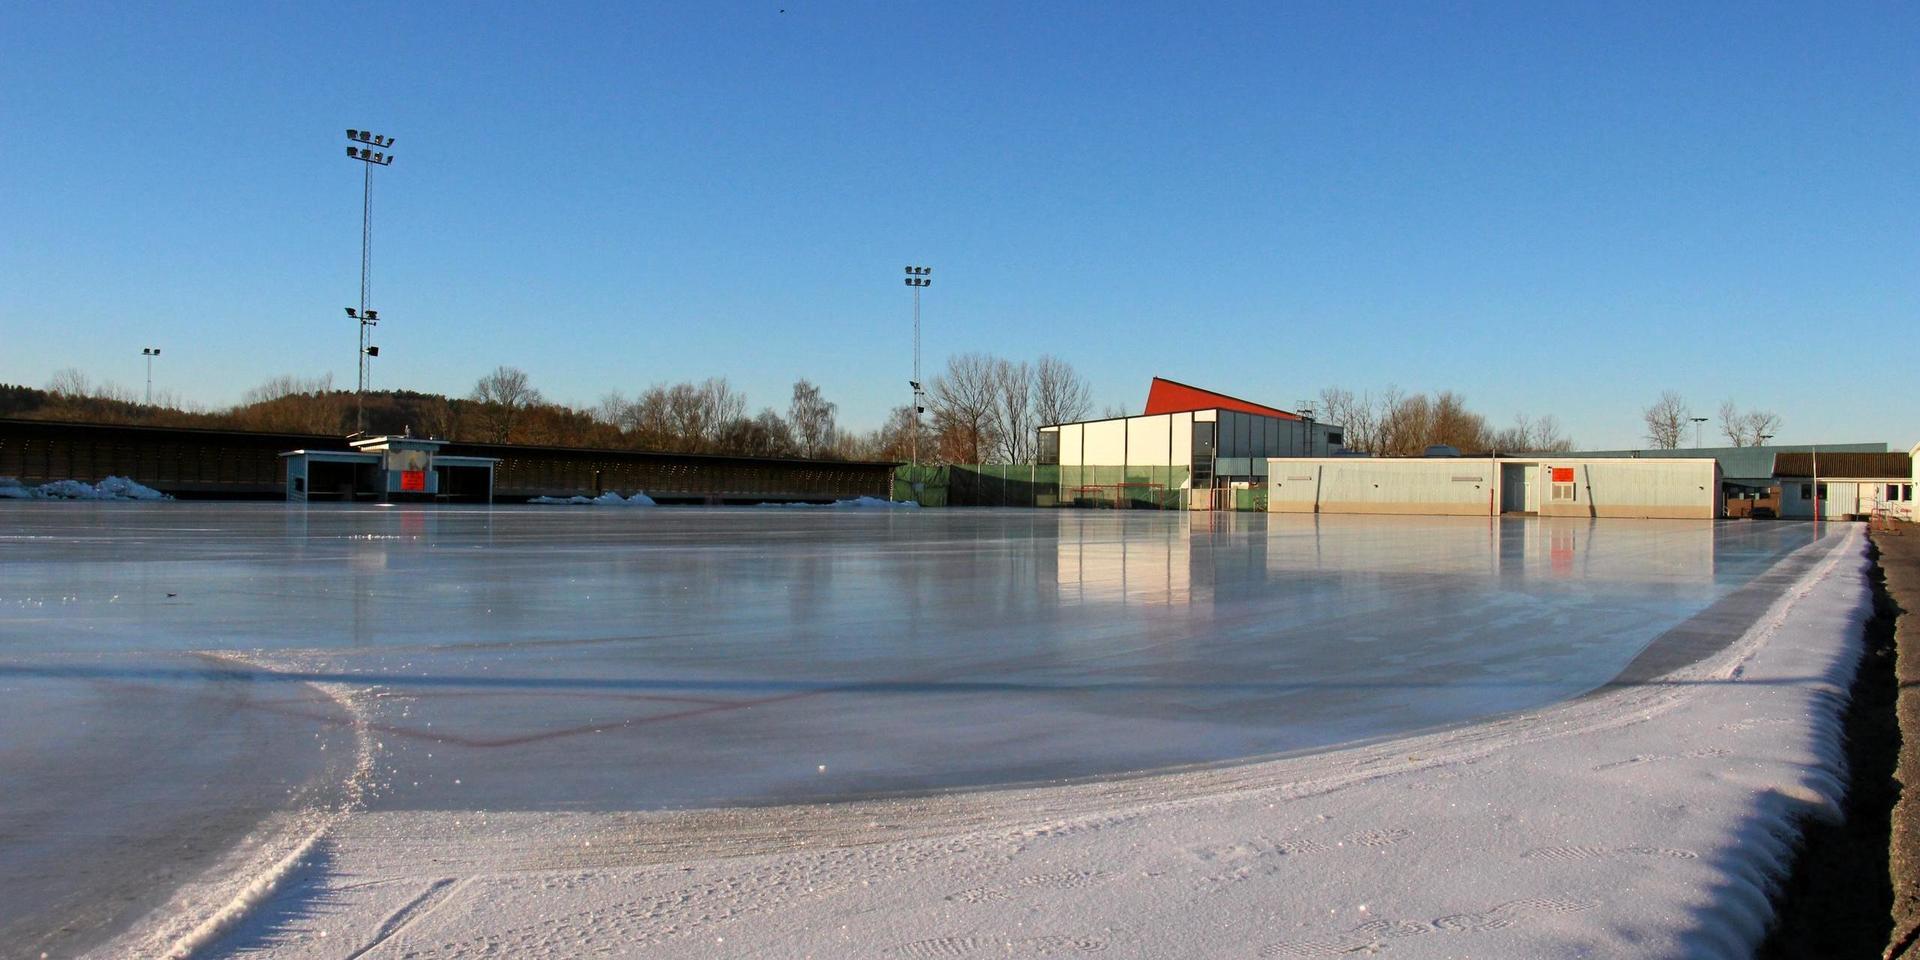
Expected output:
(1840, 485)
(1547, 485)
(1191, 448)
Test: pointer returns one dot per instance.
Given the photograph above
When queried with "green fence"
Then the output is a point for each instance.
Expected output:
(979, 485)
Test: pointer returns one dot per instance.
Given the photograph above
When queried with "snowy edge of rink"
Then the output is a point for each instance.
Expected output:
(608, 499)
(1650, 819)
(281, 848)
(112, 488)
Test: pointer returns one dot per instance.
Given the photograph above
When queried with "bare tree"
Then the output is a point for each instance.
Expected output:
(1746, 429)
(70, 382)
(1532, 436)
(1013, 411)
(894, 440)
(963, 409)
(1358, 417)
(1666, 420)
(811, 417)
(1453, 424)
(613, 409)
(502, 397)
(1059, 395)
(765, 435)
(1733, 425)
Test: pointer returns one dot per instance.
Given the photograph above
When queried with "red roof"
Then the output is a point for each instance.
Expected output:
(1172, 396)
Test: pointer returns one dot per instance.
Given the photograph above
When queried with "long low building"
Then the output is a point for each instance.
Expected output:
(1547, 486)
(239, 464)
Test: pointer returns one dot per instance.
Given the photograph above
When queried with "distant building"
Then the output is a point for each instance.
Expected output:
(1842, 484)
(1745, 470)
(1188, 448)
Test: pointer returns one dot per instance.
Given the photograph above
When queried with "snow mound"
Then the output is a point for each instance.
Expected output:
(857, 503)
(608, 499)
(112, 488)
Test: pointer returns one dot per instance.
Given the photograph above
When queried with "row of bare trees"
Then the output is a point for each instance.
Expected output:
(1668, 417)
(1392, 423)
(989, 409)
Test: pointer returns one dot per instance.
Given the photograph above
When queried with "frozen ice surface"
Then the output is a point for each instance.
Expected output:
(521, 659)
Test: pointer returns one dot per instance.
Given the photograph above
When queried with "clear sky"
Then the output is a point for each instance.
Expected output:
(1549, 207)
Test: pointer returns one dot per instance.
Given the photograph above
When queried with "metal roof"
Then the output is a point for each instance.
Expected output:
(1864, 466)
(1738, 463)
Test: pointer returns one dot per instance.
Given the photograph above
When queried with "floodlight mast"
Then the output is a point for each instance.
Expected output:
(149, 353)
(360, 147)
(917, 278)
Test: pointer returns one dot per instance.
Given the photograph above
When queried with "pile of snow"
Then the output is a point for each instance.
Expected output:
(112, 488)
(608, 499)
(857, 503)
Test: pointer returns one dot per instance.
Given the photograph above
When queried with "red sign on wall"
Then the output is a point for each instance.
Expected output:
(1562, 474)
(413, 480)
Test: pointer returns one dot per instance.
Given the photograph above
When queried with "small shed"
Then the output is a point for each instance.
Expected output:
(389, 469)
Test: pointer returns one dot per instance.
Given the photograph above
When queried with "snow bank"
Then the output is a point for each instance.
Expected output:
(112, 488)
(857, 503)
(608, 499)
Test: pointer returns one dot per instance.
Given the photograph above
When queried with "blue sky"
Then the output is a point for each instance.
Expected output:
(1551, 208)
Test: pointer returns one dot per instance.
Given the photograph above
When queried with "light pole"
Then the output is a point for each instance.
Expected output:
(1697, 421)
(917, 278)
(360, 147)
(149, 353)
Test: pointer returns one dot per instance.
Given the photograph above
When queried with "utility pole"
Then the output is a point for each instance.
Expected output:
(149, 353)
(367, 318)
(917, 278)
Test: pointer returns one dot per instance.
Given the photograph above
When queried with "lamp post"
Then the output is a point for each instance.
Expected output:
(360, 144)
(1697, 421)
(149, 353)
(917, 278)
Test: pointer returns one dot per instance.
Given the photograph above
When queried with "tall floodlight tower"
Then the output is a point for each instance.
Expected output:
(360, 146)
(1698, 423)
(917, 278)
(149, 353)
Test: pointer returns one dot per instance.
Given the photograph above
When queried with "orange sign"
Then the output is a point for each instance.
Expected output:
(413, 480)
(1562, 474)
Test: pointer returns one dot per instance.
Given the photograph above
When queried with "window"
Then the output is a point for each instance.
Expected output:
(1893, 491)
(1906, 492)
(1049, 447)
(1563, 493)
(1336, 439)
(1823, 492)
(1806, 491)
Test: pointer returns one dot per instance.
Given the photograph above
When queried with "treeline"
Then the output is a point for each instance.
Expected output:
(1668, 418)
(981, 408)
(1393, 423)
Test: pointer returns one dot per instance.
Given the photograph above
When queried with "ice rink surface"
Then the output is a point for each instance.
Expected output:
(159, 662)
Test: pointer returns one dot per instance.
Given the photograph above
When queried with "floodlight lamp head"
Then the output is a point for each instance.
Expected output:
(351, 313)
(353, 134)
(373, 314)
(373, 351)
(366, 137)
